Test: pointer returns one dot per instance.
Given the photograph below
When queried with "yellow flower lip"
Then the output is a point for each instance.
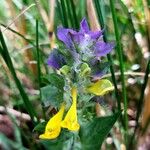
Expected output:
(70, 122)
(53, 127)
(100, 87)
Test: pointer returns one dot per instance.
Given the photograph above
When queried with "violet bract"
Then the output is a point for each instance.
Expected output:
(85, 41)
(83, 45)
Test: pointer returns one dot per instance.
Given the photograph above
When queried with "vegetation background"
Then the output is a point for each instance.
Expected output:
(29, 29)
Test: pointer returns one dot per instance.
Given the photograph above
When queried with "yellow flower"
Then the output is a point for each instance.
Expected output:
(70, 122)
(101, 87)
(53, 127)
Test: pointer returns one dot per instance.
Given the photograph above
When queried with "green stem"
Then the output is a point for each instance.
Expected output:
(38, 55)
(74, 14)
(38, 64)
(64, 13)
(120, 54)
(70, 15)
(100, 17)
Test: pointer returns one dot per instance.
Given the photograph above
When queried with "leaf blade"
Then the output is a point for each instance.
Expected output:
(93, 133)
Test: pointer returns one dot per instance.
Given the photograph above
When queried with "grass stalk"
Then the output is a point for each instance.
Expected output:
(64, 13)
(5, 54)
(38, 55)
(141, 99)
(38, 64)
(17, 33)
(101, 21)
(70, 15)
(140, 104)
(74, 14)
(120, 54)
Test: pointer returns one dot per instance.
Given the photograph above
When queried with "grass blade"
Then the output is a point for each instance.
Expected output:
(101, 21)
(140, 104)
(17, 33)
(120, 54)
(38, 64)
(64, 13)
(5, 54)
(141, 99)
(76, 23)
(38, 54)
(70, 15)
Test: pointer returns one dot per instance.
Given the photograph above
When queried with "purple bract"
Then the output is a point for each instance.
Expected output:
(82, 45)
(56, 60)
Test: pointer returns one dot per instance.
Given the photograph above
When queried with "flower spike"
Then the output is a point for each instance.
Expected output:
(53, 126)
(70, 122)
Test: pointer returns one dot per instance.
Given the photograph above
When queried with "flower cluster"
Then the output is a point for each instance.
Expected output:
(70, 122)
(82, 51)
(83, 46)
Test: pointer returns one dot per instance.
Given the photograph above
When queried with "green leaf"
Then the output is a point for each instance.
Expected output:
(8, 144)
(51, 95)
(63, 141)
(56, 80)
(40, 127)
(93, 133)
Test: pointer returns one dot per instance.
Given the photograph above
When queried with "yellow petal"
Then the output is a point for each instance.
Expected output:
(51, 135)
(53, 127)
(101, 87)
(70, 122)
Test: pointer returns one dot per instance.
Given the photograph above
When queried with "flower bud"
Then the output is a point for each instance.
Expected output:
(85, 69)
(65, 70)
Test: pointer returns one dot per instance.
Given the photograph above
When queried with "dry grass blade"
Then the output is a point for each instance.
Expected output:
(146, 110)
(18, 114)
(142, 74)
(92, 16)
(16, 18)
(42, 13)
(51, 23)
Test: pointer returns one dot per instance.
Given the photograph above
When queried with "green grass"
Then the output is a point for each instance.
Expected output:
(120, 57)
(5, 54)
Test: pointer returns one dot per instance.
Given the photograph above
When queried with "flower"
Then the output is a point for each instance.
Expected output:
(56, 60)
(70, 122)
(80, 46)
(53, 127)
(85, 41)
(100, 87)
